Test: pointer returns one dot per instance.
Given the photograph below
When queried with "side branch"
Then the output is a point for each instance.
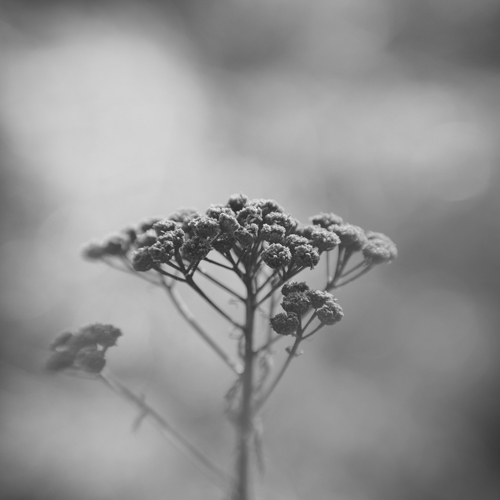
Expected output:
(189, 317)
(177, 439)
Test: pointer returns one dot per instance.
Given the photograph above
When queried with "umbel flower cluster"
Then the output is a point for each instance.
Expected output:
(266, 248)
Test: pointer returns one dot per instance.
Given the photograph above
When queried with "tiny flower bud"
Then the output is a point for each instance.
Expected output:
(324, 240)
(284, 220)
(146, 239)
(379, 248)
(294, 286)
(204, 226)
(267, 206)
(351, 237)
(325, 220)
(244, 237)
(320, 298)
(330, 313)
(273, 234)
(276, 256)
(196, 248)
(224, 242)
(90, 360)
(297, 302)
(306, 256)
(292, 241)
(250, 215)
(142, 260)
(93, 251)
(115, 245)
(228, 223)
(285, 323)
(237, 202)
(164, 226)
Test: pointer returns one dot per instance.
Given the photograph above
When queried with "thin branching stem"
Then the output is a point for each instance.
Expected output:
(215, 263)
(343, 283)
(291, 354)
(221, 285)
(199, 291)
(185, 312)
(183, 445)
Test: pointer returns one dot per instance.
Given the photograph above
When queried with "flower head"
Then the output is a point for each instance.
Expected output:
(379, 248)
(326, 219)
(237, 201)
(330, 313)
(276, 256)
(84, 350)
(297, 302)
(285, 323)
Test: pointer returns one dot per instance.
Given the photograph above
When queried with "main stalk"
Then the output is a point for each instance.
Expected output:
(243, 485)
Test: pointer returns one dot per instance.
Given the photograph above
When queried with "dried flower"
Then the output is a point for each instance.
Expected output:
(326, 219)
(297, 302)
(379, 248)
(305, 256)
(276, 256)
(294, 286)
(285, 323)
(330, 313)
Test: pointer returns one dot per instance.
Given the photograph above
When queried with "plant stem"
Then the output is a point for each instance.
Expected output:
(291, 354)
(189, 317)
(245, 418)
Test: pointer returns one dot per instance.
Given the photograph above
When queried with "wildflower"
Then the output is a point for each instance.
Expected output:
(93, 251)
(162, 251)
(285, 323)
(84, 350)
(237, 202)
(196, 248)
(297, 302)
(294, 286)
(284, 220)
(330, 313)
(351, 237)
(89, 359)
(324, 240)
(148, 223)
(204, 226)
(244, 237)
(273, 233)
(146, 239)
(379, 248)
(267, 206)
(325, 220)
(103, 334)
(165, 225)
(224, 242)
(142, 260)
(319, 298)
(251, 214)
(306, 256)
(228, 223)
(305, 231)
(276, 256)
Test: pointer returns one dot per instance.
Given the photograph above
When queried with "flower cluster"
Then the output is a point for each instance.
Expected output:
(84, 350)
(249, 231)
(298, 298)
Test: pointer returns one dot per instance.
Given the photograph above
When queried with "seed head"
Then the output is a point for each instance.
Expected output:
(285, 323)
(379, 248)
(276, 256)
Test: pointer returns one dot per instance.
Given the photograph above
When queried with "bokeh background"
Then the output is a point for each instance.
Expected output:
(386, 112)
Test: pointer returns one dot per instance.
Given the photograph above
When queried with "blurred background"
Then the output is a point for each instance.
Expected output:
(386, 112)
